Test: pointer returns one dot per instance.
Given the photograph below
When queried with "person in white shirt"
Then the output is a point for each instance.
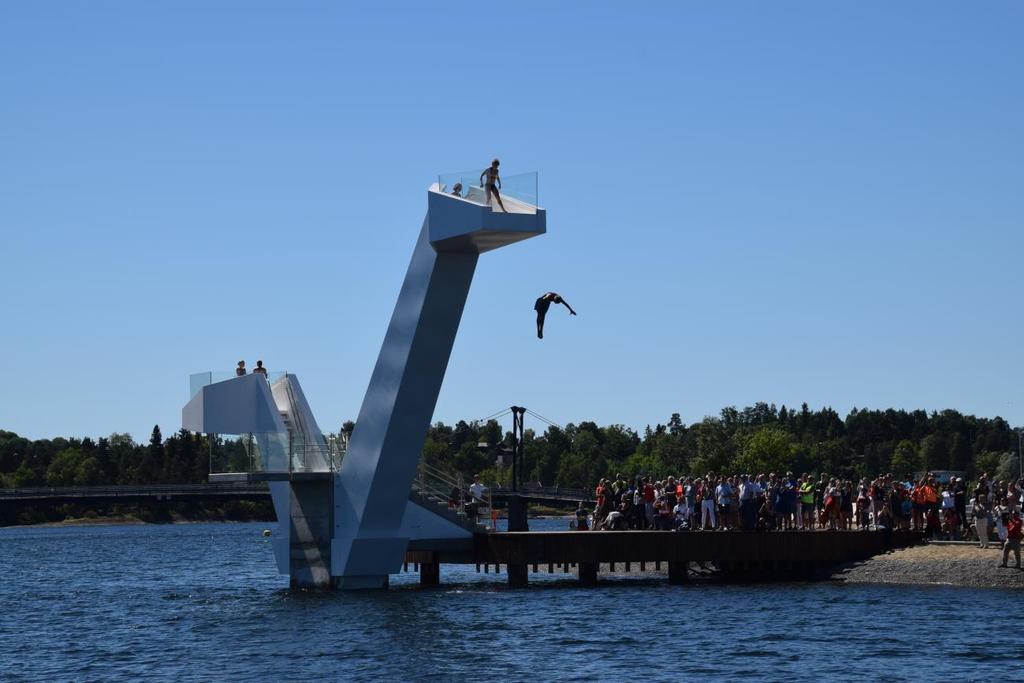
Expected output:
(681, 514)
(707, 503)
(1001, 514)
(723, 492)
(981, 518)
(476, 488)
(748, 515)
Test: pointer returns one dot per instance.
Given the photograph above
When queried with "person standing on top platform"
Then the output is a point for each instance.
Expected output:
(240, 370)
(493, 183)
(543, 304)
(259, 369)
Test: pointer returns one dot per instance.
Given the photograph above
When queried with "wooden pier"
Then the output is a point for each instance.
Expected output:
(736, 555)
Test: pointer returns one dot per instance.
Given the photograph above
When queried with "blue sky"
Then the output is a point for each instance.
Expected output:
(786, 201)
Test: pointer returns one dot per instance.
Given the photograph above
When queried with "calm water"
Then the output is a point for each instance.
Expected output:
(204, 602)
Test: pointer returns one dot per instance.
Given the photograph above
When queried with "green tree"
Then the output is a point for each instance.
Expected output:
(905, 459)
(492, 434)
(767, 450)
(25, 476)
(715, 448)
(960, 453)
(644, 464)
(988, 462)
(583, 465)
(89, 472)
(435, 453)
(935, 452)
(151, 467)
(1008, 467)
(63, 468)
(675, 425)
(470, 460)
(547, 452)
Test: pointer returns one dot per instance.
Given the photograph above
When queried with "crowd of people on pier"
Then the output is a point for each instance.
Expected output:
(768, 502)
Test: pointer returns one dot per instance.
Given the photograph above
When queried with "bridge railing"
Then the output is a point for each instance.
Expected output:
(549, 491)
(131, 490)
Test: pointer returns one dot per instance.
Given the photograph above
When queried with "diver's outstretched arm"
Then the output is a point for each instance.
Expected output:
(566, 304)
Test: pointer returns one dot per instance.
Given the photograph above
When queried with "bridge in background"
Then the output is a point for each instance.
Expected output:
(227, 491)
(95, 495)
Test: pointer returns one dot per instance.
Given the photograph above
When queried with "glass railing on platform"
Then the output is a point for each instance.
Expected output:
(516, 193)
(273, 452)
(248, 453)
(323, 454)
(198, 380)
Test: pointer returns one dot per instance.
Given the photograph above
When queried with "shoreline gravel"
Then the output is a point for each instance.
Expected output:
(966, 566)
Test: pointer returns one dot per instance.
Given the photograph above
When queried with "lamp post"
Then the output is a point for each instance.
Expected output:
(1020, 453)
(516, 503)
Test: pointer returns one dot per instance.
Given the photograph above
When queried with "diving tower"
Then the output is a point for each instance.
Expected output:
(349, 525)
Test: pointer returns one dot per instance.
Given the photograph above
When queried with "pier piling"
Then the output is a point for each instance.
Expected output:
(430, 573)
(588, 573)
(518, 577)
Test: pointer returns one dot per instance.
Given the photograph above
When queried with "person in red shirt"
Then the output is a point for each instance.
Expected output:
(1012, 542)
(649, 502)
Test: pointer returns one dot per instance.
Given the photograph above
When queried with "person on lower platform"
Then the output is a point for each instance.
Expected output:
(615, 521)
(1014, 533)
(981, 518)
(706, 492)
(681, 516)
(582, 523)
(543, 304)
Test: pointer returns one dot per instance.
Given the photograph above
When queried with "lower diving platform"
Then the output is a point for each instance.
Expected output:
(735, 555)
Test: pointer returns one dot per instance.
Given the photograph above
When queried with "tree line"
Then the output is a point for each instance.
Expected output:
(758, 438)
(755, 439)
(182, 458)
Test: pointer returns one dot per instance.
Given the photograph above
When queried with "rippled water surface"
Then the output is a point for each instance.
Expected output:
(204, 602)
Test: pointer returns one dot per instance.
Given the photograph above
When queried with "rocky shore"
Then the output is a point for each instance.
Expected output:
(940, 565)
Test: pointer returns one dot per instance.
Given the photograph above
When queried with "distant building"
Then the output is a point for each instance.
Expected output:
(503, 455)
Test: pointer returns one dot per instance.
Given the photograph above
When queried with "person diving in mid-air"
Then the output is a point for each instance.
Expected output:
(543, 304)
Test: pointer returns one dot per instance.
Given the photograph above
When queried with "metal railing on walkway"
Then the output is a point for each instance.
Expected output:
(240, 489)
(451, 491)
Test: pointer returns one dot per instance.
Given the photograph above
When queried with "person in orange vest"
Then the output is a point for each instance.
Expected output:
(919, 506)
(1012, 542)
(931, 496)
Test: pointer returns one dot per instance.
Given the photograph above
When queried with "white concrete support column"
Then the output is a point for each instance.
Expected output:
(372, 488)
